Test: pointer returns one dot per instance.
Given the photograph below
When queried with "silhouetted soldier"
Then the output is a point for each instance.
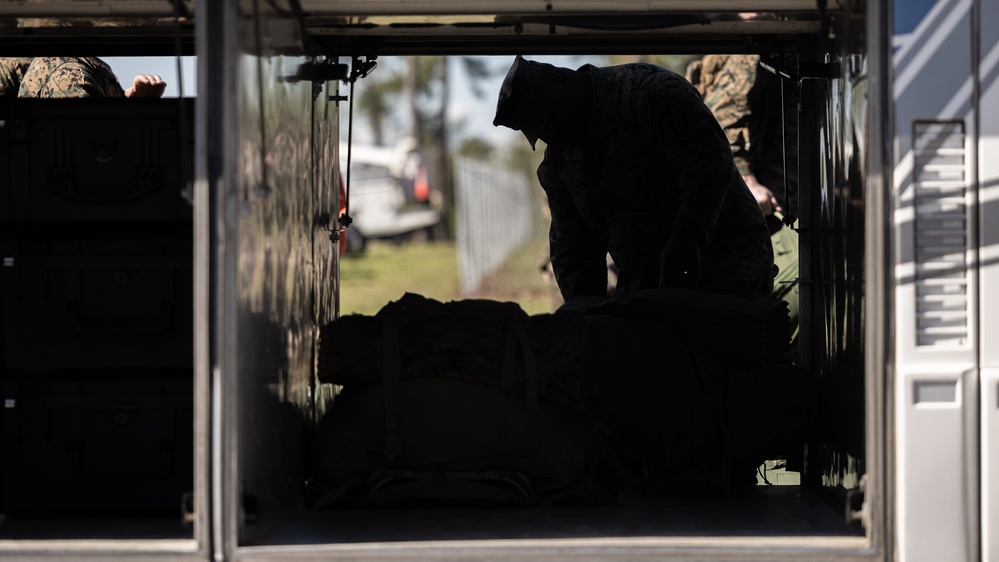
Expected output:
(637, 166)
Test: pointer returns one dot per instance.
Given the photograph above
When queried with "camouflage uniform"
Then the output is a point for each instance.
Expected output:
(724, 82)
(69, 77)
(660, 168)
(747, 104)
(11, 71)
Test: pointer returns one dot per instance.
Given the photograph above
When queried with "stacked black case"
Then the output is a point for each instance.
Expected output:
(97, 306)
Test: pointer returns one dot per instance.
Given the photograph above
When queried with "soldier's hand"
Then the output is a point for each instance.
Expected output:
(765, 197)
(146, 86)
(680, 263)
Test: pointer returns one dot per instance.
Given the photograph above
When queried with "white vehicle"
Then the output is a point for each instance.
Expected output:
(389, 192)
(161, 357)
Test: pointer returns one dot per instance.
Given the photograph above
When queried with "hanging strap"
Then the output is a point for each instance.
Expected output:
(350, 145)
(357, 70)
(516, 336)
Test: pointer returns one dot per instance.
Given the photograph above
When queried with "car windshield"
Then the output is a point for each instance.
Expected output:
(360, 171)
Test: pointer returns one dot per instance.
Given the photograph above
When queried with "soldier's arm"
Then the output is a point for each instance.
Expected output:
(766, 198)
(578, 255)
(11, 71)
(688, 137)
(727, 98)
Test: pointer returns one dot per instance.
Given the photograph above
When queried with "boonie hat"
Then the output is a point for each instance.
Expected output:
(523, 103)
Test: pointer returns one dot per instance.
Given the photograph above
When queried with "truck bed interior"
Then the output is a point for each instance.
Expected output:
(69, 410)
(767, 513)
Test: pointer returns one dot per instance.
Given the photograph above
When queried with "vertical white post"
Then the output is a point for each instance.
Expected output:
(988, 259)
(936, 286)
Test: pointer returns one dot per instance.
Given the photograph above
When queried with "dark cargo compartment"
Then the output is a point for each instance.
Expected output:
(819, 509)
(695, 505)
(96, 294)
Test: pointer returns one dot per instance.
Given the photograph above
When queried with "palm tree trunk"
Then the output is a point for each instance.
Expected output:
(411, 90)
(444, 155)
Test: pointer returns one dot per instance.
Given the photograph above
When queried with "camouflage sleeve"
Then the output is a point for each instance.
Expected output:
(11, 71)
(726, 97)
(578, 255)
(69, 77)
(693, 75)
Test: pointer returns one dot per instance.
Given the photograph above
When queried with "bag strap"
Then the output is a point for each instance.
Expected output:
(530, 364)
(391, 375)
(509, 369)
(517, 334)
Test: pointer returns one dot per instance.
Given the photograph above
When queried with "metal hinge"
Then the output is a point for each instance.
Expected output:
(858, 510)
(318, 73)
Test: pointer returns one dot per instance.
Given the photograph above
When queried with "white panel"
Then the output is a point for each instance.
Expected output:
(934, 443)
(990, 465)
(936, 344)
(936, 312)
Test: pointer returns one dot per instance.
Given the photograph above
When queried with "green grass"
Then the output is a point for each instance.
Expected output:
(519, 280)
(386, 271)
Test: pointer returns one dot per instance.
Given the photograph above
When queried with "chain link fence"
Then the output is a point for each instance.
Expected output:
(497, 213)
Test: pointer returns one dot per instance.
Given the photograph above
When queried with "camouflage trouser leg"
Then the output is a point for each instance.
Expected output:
(785, 243)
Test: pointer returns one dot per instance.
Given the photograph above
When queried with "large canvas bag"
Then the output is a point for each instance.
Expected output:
(461, 402)
(456, 442)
